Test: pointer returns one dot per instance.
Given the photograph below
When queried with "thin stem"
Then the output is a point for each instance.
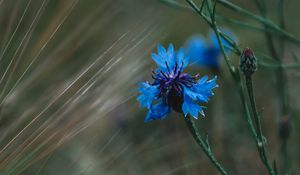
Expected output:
(238, 82)
(279, 66)
(257, 136)
(260, 138)
(204, 145)
(281, 76)
(240, 23)
(235, 74)
(260, 19)
(239, 86)
(282, 85)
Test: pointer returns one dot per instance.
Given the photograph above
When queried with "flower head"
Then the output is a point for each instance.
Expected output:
(172, 89)
(206, 53)
(248, 62)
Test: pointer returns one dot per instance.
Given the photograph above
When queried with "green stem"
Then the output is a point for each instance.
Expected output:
(262, 20)
(279, 66)
(241, 24)
(204, 145)
(260, 139)
(235, 74)
(282, 89)
(239, 85)
(281, 77)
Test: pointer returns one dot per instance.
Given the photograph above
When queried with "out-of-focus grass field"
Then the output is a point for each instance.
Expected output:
(69, 72)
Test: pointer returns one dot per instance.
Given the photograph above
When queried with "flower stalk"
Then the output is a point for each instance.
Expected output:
(248, 65)
(260, 141)
(281, 75)
(256, 133)
(204, 145)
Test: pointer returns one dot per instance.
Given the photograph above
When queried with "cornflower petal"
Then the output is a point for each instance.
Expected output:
(157, 111)
(191, 108)
(148, 93)
(207, 53)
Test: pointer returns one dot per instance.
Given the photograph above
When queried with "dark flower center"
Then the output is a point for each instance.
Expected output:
(171, 85)
(174, 100)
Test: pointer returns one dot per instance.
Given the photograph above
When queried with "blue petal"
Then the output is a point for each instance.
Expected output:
(157, 111)
(164, 58)
(190, 107)
(182, 59)
(159, 60)
(171, 57)
(195, 47)
(170, 49)
(202, 90)
(193, 94)
(205, 87)
(226, 44)
(211, 57)
(208, 85)
(202, 53)
(148, 94)
(203, 79)
(160, 49)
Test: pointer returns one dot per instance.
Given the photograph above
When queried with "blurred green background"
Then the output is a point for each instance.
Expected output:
(69, 72)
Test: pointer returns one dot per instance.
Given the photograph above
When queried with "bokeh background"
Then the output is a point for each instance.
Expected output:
(69, 72)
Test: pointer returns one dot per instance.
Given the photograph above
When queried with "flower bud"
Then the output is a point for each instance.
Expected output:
(248, 62)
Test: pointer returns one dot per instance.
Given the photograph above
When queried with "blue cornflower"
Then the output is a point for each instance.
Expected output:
(206, 53)
(172, 89)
